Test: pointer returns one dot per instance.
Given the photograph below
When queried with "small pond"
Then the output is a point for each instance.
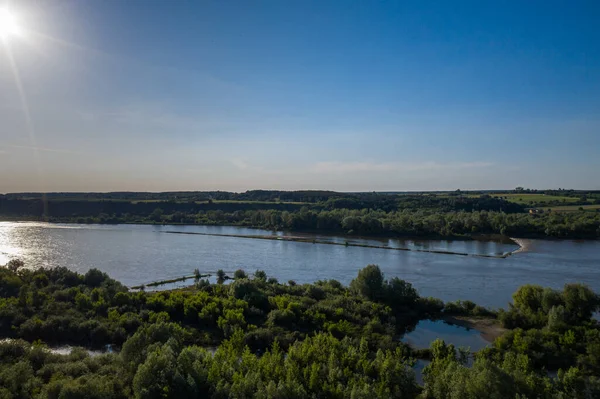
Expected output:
(428, 331)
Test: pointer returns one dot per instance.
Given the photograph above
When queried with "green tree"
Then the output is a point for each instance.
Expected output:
(369, 283)
(260, 275)
(94, 278)
(239, 274)
(400, 293)
(220, 276)
(580, 301)
(156, 215)
(528, 298)
(158, 377)
(15, 264)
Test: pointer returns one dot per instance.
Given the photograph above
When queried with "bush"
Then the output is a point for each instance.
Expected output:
(283, 318)
(260, 275)
(94, 278)
(14, 265)
(239, 274)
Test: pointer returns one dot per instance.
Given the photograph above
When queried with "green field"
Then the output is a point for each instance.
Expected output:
(527, 198)
(575, 208)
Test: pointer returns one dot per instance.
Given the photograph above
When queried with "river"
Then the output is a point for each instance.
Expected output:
(136, 254)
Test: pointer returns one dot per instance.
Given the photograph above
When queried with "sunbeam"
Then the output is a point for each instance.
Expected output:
(26, 112)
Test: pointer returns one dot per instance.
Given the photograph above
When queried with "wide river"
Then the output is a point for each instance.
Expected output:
(135, 254)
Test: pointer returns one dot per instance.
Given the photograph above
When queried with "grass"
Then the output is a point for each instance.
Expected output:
(525, 199)
(575, 208)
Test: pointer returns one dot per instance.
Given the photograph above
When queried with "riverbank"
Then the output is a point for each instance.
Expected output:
(523, 243)
(490, 329)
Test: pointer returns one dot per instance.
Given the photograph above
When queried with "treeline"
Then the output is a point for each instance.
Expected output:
(279, 195)
(311, 196)
(258, 338)
(61, 207)
(124, 209)
(389, 203)
(420, 218)
(407, 223)
(410, 223)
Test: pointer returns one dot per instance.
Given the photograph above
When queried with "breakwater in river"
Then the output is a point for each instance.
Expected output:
(346, 244)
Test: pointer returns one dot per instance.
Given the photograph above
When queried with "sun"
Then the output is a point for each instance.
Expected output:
(9, 25)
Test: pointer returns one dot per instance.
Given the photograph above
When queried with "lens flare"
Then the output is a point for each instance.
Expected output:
(9, 25)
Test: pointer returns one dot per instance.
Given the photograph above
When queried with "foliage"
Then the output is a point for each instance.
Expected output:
(256, 338)
(396, 293)
(449, 377)
(62, 307)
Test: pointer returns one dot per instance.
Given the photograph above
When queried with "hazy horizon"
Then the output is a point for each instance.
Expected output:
(299, 190)
(370, 96)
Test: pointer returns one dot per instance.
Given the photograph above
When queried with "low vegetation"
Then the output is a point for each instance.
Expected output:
(259, 338)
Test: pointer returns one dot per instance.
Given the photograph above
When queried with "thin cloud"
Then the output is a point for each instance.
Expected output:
(240, 164)
(354, 167)
(243, 165)
(35, 148)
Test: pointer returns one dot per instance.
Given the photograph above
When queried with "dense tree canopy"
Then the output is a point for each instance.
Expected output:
(257, 338)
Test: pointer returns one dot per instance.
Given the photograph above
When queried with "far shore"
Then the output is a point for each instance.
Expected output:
(521, 242)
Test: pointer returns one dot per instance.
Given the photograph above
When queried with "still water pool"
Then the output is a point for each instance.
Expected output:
(427, 331)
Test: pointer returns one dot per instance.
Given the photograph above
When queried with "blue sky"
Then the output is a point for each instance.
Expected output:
(342, 95)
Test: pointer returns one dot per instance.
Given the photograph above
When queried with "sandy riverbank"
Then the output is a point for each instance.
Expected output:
(490, 329)
(523, 243)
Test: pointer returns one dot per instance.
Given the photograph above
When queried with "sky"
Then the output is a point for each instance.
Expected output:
(144, 95)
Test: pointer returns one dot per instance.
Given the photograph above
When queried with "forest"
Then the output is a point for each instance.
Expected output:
(304, 196)
(367, 214)
(256, 337)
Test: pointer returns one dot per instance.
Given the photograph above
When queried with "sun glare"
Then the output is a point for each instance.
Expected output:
(9, 25)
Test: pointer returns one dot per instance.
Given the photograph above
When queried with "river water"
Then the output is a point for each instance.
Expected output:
(136, 254)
